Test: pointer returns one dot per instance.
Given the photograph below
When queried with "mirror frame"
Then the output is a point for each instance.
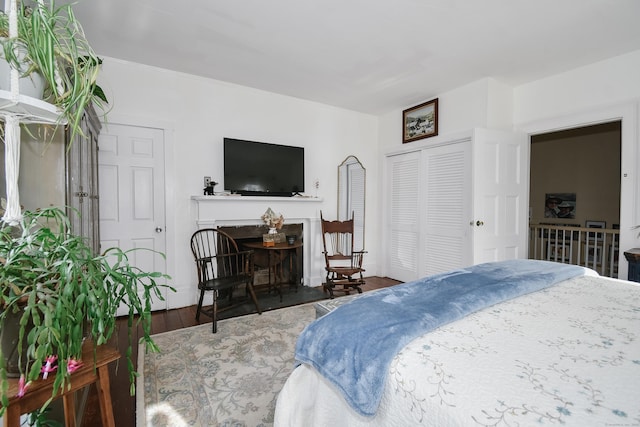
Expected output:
(345, 192)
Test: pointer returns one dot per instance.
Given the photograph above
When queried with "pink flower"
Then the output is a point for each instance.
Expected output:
(48, 366)
(73, 365)
(22, 387)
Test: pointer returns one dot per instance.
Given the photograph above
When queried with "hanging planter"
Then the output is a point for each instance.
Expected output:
(50, 41)
(31, 85)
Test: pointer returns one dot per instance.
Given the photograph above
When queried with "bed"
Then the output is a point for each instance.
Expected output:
(561, 349)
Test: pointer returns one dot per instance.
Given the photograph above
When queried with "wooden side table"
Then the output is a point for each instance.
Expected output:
(633, 257)
(39, 391)
(273, 264)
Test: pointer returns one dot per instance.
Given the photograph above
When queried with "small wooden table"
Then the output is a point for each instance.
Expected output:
(40, 391)
(279, 248)
(633, 257)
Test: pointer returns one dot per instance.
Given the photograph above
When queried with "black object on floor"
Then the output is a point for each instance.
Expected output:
(271, 301)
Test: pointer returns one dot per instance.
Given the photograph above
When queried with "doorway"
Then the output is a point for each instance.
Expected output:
(583, 163)
(575, 181)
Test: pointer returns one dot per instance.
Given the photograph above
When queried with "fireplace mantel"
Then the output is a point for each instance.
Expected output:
(214, 211)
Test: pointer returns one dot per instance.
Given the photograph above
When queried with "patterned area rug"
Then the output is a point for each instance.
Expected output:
(231, 378)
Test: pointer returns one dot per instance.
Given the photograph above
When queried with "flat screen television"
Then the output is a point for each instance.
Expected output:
(262, 169)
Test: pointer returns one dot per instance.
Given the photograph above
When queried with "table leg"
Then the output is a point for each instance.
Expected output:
(69, 403)
(104, 396)
(12, 415)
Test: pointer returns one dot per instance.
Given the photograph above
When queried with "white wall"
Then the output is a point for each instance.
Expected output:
(198, 113)
(603, 91)
(484, 103)
(606, 83)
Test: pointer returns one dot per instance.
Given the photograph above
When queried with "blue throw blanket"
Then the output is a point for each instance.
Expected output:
(353, 345)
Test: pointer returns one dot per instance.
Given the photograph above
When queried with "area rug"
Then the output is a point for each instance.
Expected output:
(231, 378)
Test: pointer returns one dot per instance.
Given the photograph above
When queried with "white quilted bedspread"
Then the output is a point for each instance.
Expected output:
(568, 355)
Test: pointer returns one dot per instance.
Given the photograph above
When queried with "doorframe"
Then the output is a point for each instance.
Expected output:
(168, 129)
(628, 115)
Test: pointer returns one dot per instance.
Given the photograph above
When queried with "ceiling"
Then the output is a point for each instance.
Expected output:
(371, 56)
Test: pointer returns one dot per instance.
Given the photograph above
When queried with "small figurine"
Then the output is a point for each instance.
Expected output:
(208, 190)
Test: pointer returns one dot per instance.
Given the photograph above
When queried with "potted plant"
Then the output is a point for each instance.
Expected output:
(62, 294)
(51, 42)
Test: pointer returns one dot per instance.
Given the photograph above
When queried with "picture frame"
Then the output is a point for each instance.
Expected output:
(595, 224)
(560, 205)
(420, 121)
(593, 245)
(593, 255)
(559, 252)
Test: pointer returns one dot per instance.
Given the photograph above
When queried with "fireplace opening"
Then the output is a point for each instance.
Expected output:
(287, 264)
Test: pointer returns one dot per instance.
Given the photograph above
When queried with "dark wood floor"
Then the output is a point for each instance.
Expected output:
(124, 407)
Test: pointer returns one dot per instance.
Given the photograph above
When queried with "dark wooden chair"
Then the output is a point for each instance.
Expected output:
(221, 268)
(342, 263)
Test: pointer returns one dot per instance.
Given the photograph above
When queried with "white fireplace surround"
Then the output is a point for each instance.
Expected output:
(215, 211)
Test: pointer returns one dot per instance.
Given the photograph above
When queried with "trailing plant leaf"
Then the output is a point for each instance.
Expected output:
(52, 277)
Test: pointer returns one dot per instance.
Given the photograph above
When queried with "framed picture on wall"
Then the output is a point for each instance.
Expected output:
(560, 205)
(595, 224)
(420, 121)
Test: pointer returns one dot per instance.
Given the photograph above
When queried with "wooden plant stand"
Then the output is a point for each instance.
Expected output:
(39, 391)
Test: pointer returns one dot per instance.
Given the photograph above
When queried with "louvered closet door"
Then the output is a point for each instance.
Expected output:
(403, 213)
(447, 237)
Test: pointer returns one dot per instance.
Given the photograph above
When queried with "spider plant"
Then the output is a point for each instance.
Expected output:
(61, 293)
(51, 41)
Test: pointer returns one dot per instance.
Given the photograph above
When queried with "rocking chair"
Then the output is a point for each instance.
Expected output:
(342, 263)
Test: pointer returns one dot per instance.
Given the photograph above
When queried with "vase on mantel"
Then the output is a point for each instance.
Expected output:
(272, 230)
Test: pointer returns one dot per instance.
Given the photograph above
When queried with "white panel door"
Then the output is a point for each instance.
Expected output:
(403, 215)
(447, 237)
(132, 202)
(500, 192)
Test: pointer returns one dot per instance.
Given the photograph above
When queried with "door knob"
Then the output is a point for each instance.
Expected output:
(479, 223)
(158, 230)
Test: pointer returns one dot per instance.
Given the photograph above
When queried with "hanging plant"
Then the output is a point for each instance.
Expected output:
(51, 42)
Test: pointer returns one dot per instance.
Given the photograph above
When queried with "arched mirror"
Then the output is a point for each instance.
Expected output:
(351, 196)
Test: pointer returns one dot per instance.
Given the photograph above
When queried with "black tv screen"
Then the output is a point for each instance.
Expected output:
(261, 169)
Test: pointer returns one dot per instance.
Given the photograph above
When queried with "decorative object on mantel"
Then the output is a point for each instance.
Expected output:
(420, 121)
(209, 189)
